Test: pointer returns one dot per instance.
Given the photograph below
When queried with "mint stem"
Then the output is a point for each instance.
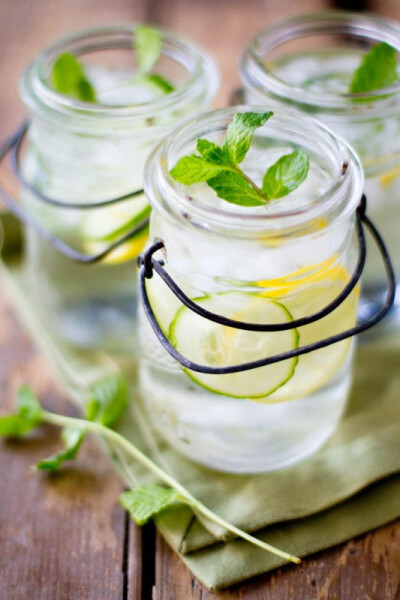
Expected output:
(251, 183)
(130, 449)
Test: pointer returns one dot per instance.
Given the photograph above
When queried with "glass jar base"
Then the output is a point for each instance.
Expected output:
(242, 436)
(262, 464)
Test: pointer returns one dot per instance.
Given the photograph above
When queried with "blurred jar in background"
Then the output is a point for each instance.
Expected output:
(307, 62)
(82, 153)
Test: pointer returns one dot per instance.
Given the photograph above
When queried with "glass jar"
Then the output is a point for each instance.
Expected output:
(307, 63)
(88, 153)
(283, 261)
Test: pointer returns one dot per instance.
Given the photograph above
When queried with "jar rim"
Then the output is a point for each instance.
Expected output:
(254, 73)
(174, 201)
(42, 98)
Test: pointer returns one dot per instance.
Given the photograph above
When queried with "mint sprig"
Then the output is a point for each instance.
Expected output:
(109, 400)
(234, 188)
(147, 43)
(28, 415)
(144, 502)
(72, 438)
(219, 166)
(378, 69)
(68, 77)
(147, 501)
(285, 175)
(107, 403)
(240, 133)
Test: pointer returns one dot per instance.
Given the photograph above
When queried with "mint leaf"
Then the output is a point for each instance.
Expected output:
(148, 45)
(240, 132)
(193, 169)
(109, 400)
(15, 426)
(146, 501)
(378, 69)
(72, 438)
(219, 166)
(211, 151)
(68, 77)
(28, 415)
(285, 175)
(160, 82)
(233, 188)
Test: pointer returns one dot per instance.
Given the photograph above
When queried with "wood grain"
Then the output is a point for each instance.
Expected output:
(65, 537)
(60, 536)
(367, 568)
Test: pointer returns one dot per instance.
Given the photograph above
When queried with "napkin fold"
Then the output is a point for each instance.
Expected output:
(348, 487)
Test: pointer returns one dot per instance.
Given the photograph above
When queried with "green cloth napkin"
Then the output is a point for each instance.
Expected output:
(350, 486)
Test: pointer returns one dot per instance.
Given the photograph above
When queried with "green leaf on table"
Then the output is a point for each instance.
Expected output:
(233, 188)
(240, 133)
(108, 399)
(27, 416)
(144, 502)
(378, 69)
(68, 77)
(72, 438)
(285, 175)
(148, 45)
(193, 169)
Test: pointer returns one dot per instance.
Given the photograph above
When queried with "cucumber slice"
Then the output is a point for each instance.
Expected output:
(316, 368)
(209, 343)
(108, 223)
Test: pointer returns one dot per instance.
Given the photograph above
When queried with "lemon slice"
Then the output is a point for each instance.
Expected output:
(209, 343)
(127, 251)
(316, 368)
(386, 179)
(105, 225)
(304, 292)
(108, 223)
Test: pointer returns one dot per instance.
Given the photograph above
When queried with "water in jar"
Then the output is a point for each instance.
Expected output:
(330, 72)
(273, 416)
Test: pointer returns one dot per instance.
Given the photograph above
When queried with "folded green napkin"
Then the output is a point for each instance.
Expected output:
(350, 486)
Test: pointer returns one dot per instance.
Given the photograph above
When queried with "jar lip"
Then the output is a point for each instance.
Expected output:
(254, 73)
(37, 92)
(171, 197)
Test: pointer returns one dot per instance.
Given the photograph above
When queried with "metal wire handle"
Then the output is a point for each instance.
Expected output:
(12, 146)
(148, 265)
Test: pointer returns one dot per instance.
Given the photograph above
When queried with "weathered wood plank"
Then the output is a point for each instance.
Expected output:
(42, 553)
(60, 536)
(367, 568)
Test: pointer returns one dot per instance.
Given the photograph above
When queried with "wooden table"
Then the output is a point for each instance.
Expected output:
(65, 537)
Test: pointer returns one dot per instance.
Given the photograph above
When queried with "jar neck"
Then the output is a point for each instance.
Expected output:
(315, 32)
(328, 153)
(195, 86)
